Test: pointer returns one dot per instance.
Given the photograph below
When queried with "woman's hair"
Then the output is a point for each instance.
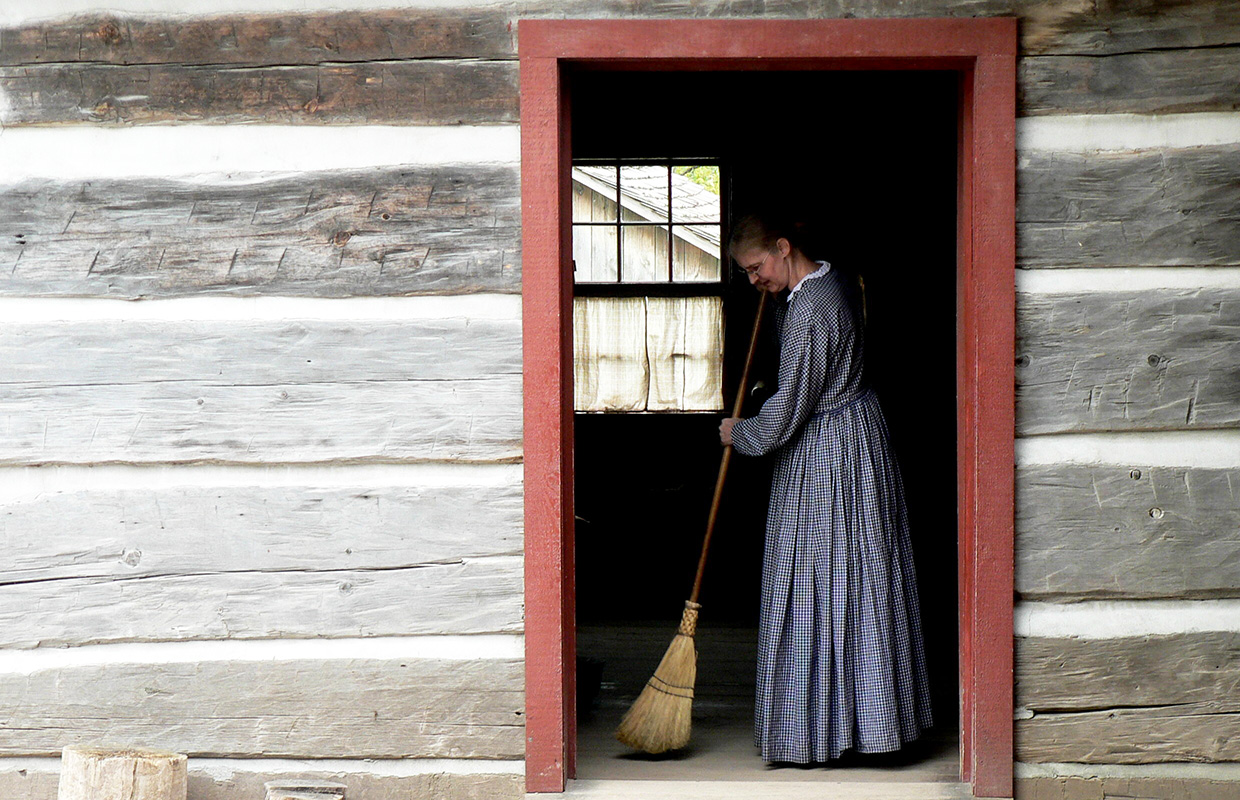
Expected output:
(762, 231)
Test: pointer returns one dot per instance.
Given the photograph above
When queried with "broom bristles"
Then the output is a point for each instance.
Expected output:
(661, 717)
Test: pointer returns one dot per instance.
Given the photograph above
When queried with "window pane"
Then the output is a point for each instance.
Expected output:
(594, 194)
(610, 371)
(643, 191)
(594, 253)
(684, 342)
(696, 254)
(695, 194)
(644, 254)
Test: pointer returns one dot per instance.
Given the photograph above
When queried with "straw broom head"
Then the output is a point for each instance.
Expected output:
(661, 717)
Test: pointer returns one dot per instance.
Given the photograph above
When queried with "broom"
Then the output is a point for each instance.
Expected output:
(661, 717)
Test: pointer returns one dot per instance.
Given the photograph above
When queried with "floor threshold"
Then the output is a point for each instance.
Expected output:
(766, 790)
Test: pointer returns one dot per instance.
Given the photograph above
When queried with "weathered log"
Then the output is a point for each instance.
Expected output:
(1149, 208)
(100, 773)
(346, 708)
(400, 231)
(1103, 361)
(463, 596)
(257, 40)
(181, 531)
(312, 392)
(1160, 82)
(305, 352)
(1194, 732)
(1062, 675)
(427, 92)
(1134, 531)
(1050, 26)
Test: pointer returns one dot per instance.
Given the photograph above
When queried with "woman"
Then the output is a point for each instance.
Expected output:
(840, 657)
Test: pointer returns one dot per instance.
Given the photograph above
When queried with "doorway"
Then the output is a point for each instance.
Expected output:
(855, 155)
(914, 94)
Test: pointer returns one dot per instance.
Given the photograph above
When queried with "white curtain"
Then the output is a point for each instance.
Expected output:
(648, 354)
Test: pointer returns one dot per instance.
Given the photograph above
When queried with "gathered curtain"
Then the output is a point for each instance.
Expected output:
(648, 353)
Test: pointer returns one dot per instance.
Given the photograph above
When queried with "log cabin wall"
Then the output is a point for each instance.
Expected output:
(260, 329)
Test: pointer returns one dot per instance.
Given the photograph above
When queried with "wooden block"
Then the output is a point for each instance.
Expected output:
(335, 708)
(1153, 360)
(446, 229)
(1164, 207)
(101, 773)
(1133, 531)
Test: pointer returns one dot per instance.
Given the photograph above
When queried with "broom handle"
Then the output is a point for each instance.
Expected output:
(727, 450)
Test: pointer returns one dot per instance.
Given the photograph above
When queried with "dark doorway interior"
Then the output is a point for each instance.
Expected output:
(868, 159)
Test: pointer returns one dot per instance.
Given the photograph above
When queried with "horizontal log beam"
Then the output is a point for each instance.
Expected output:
(428, 390)
(1128, 361)
(249, 354)
(257, 40)
(1133, 531)
(186, 531)
(432, 92)
(473, 595)
(298, 709)
(1161, 82)
(1048, 27)
(1148, 208)
(1196, 732)
(1061, 675)
(400, 231)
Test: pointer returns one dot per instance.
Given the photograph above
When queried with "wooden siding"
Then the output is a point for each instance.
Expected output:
(1154, 360)
(1169, 207)
(297, 709)
(1129, 700)
(451, 66)
(396, 231)
(285, 392)
(1133, 531)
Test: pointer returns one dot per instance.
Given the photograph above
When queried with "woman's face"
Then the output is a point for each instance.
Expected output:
(766, 268)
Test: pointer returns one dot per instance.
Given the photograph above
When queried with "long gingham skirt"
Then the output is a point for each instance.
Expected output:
(841, 663)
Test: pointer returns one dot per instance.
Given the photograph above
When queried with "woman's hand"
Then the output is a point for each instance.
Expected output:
(725, 430)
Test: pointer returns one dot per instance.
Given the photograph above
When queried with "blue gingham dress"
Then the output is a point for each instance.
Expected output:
(840, 658)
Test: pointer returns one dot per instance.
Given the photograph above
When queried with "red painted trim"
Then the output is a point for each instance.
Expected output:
(984, 52)
(546, 311)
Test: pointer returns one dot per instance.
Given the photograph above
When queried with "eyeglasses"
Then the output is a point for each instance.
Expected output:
(752, 270)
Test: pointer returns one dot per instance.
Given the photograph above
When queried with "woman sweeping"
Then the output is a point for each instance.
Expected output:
(841, 664)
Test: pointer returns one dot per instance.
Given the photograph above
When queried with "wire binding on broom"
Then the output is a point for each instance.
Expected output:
(661, 718)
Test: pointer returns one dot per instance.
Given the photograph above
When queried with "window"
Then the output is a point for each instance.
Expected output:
(648, 275)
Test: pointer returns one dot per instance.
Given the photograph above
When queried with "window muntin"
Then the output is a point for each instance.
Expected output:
(648, 316)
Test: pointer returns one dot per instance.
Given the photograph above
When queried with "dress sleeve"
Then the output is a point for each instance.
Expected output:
(804, 357)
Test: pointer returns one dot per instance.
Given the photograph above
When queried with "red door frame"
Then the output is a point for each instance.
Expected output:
(983, 51)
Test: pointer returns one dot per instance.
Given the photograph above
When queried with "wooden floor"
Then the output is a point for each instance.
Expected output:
(721, 760)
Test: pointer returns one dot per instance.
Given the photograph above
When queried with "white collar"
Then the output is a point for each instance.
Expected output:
(823, 269)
